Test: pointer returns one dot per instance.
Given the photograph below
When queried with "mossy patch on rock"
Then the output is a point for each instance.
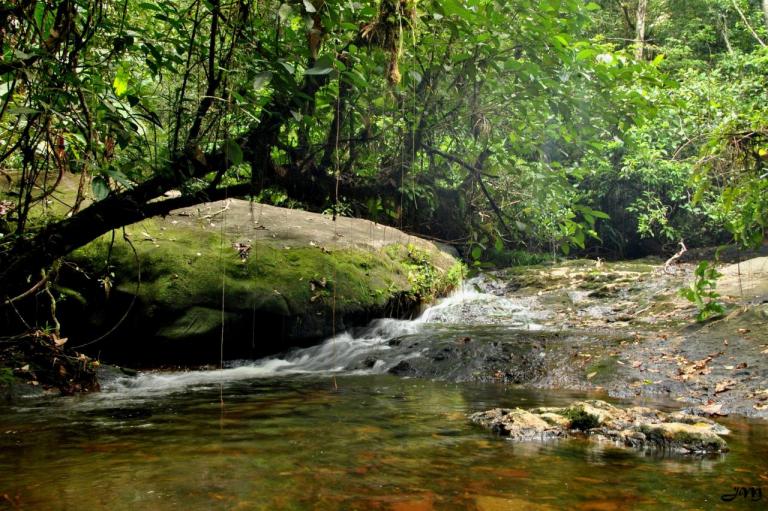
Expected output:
(581, 420)
(271, 280)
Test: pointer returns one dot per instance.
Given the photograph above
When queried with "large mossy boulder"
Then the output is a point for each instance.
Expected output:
(262, 278)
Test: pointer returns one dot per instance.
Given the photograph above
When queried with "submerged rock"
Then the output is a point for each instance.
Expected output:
(638, 427)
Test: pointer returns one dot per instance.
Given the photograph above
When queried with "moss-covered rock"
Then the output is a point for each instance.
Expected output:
(638, 427)
(683, 438)
(261, 277)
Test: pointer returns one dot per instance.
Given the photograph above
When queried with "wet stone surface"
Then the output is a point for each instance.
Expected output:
(636, 427)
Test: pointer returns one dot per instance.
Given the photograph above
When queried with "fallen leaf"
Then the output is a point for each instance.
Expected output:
(742, 365)
(60, 342)
(724, 385)
(591, 375)
(743, 330)
(637, 363)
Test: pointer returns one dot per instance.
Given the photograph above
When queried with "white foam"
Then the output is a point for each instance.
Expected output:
(335, 355)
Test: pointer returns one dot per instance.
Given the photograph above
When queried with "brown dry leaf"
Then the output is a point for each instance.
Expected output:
(60, 342)
(637, 363)
(591, 375)
(701, 364)
(742, 365)
(743, 330)
(760, 406)
(725, 385)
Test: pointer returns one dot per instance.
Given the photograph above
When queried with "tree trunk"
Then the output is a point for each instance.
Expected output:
(724, 32)
(765, 12)
(642, 8)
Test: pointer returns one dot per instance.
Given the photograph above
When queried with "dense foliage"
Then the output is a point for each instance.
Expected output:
(617, 127)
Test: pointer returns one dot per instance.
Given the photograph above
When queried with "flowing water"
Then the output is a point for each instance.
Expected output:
(326, 428)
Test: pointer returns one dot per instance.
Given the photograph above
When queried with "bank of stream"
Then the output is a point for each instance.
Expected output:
(377, 418)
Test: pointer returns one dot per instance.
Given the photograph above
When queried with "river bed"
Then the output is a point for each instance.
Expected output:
(344, 442)
(328, 427)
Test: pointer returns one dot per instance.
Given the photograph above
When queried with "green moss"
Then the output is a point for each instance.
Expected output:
(6, 376)
(183, 271)
(580, 419)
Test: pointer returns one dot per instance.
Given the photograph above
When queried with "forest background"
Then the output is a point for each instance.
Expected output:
(614, 128)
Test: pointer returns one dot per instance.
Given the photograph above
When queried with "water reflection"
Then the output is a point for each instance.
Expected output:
(377, 442)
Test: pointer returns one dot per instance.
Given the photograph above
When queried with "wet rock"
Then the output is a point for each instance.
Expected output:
(517, 424)
(683, 438)
(638, 427)
(403, 368)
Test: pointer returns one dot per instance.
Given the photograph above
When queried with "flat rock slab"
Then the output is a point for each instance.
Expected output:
(637, 427)
(747, 280)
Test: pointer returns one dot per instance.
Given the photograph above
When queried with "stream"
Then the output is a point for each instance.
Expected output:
(336, 426)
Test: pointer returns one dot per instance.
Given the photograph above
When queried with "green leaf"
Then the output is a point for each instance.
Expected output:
(456, 7)
(120, 84)
(476, 253)
(100, 188)
(233, 152)
(323, 66)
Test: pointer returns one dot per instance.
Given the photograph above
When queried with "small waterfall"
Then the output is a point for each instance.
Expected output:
(361, 351)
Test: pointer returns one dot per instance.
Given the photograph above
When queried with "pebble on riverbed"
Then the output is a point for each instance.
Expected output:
(638, 427)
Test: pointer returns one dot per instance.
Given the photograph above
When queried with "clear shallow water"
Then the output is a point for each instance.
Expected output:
(324, 428)
(375, 442)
